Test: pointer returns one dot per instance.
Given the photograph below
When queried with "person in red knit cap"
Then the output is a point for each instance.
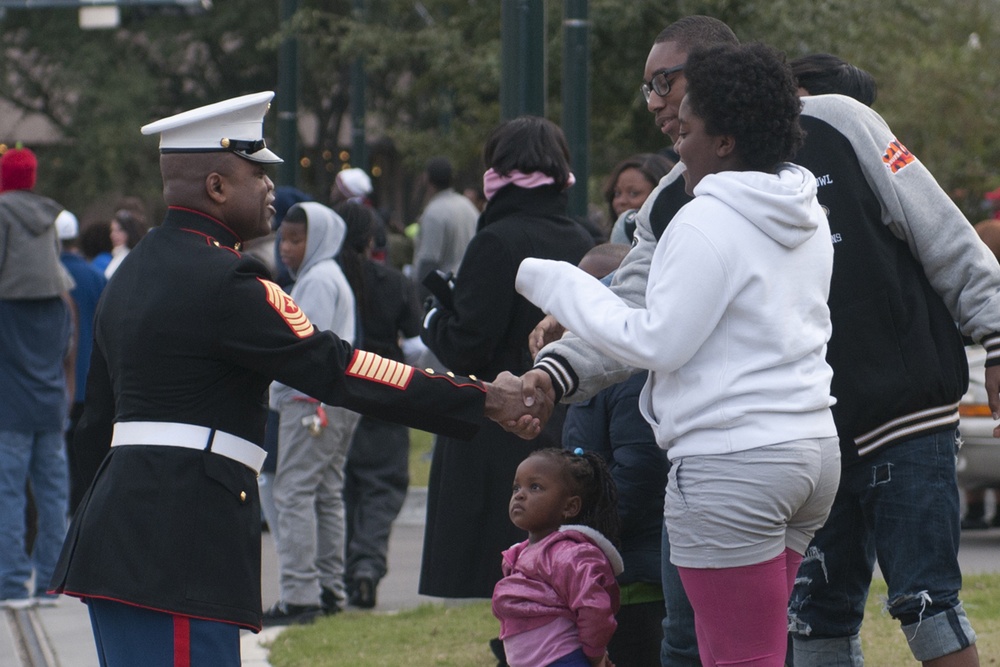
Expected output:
(29, 254)
(35, 336)
(19, 167)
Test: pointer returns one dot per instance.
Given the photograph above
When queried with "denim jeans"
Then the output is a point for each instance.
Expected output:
(899, 505)
(41, 458)
(680, 645)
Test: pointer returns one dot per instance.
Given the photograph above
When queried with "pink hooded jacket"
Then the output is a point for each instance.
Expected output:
(571, 574)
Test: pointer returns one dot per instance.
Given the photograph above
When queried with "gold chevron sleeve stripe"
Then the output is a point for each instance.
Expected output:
(369, 366)
(366, 363)
(383, 369)
(398, 373)
(288, 309)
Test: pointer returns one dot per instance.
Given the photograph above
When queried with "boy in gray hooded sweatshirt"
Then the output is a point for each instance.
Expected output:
(313, 439)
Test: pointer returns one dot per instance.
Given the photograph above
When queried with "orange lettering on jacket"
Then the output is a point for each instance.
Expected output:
(897, 156)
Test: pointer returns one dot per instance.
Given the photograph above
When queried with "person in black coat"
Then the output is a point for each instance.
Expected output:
(480, 328)
(189, 334)
(377, 473)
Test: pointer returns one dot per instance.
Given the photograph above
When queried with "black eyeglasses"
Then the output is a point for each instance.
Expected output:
(660, 83)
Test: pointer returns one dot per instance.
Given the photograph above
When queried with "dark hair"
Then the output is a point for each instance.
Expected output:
(285, 197)
(615, 252)
(528, 144)
(361, 223)
(135, 205)
(94, 238)
(694, 32)
(133, 224)
(587, 476)
(652, 166)
(823, 73)
(296, 214)
(747, 91)
(439, 172)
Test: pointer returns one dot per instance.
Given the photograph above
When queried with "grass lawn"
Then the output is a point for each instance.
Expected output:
(421, 444)
(434, 635)
(439, 636)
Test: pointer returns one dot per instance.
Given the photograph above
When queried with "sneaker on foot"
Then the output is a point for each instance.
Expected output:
(281, 613)
(329, 601)
(363, 595)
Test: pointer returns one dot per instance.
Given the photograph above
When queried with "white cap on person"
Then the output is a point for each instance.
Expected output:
(67, 226)
(354, 182)
(235, 125)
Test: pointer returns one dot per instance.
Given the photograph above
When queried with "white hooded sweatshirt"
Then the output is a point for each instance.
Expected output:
(321, 290)
(736, 321)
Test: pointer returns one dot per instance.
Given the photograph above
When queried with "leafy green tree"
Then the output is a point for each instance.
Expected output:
(937, 64)
(433, 74)
(433, 70)
(99, 87)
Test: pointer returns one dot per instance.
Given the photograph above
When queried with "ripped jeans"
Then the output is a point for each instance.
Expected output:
(900, 505)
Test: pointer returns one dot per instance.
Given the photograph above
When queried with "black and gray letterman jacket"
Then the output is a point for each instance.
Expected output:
(908, 266)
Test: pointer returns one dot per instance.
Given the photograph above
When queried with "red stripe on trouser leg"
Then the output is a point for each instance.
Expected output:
(182, 641)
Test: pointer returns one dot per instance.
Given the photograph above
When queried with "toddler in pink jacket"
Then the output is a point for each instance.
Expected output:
(558, 598)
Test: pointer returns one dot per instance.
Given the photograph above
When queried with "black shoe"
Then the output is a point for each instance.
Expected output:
(363, 593)
(331, 604)
(291, 614)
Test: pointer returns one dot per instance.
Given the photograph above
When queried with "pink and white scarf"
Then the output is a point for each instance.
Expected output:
(492, 181)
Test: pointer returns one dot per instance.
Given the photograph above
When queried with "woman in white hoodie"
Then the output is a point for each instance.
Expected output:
(734, 335)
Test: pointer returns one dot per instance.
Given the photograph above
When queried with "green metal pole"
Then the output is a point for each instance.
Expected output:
(576, 99)
(522, 37)
(359, 149)
(288, 101)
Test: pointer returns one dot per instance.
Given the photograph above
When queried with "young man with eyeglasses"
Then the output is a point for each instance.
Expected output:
(907, 266)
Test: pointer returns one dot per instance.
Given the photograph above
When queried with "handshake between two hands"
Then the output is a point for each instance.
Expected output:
(523, 405)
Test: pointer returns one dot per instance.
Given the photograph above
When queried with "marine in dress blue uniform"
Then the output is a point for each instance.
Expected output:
(189, 333)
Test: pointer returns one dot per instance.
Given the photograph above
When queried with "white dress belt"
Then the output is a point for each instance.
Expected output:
(189, 436)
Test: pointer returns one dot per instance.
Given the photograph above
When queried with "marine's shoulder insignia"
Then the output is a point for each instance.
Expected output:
(288, 309)
(370, 366)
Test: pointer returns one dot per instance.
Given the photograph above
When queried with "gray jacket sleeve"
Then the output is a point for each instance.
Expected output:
(957, 263)
(578, 368)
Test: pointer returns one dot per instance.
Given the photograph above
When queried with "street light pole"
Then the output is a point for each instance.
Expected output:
(288, 100)
(359, 149)
(522, 37)
(576, 99)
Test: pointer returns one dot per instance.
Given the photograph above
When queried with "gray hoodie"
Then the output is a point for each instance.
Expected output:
(29, 248)
(321, 290)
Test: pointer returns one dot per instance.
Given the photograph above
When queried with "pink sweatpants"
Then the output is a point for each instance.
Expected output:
(741, 613)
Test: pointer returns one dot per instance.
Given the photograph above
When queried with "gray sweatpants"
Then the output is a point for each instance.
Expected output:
(308, 494)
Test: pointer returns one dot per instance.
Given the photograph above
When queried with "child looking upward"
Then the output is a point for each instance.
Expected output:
(558, 597)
